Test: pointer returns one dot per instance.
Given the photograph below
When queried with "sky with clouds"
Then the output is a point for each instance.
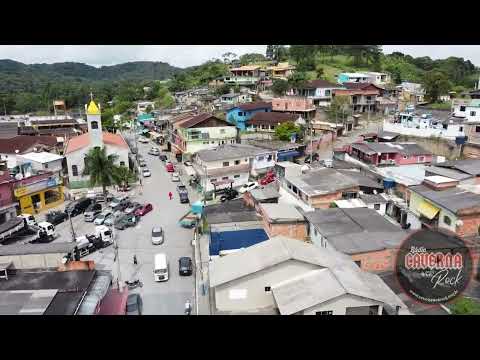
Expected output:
(188, 55)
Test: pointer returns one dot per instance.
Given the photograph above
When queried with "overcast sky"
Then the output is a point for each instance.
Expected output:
(183, 55)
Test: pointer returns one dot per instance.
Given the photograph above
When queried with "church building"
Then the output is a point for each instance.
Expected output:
(78, 147)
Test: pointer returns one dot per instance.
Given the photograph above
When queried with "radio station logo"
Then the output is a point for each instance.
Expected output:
(433, 267)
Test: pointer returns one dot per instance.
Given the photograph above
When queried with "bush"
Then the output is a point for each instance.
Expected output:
(465, 306)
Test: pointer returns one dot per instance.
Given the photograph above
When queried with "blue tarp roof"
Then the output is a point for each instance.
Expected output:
(281, 155)
(231, 240)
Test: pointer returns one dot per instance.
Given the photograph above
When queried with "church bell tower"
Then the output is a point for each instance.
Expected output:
(94, 123)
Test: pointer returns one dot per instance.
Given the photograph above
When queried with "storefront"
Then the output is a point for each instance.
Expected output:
(38, 196)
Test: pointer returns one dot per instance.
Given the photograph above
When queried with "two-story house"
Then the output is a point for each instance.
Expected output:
(267, 122)
(225, 166)
(281, 71)
(193, 133)
(363, 96)
(319, 91)
(469, 110)
(295, 105)
(234, 99)
(379, 78)
(390, 153)
(353, 77)
(248, 75)
(240, 114)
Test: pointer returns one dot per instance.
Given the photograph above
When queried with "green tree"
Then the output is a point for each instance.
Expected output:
(465, 306)
(148, 109)
(250, 58)
(304, 56)
(221, 90)
(285, 131)
(436, 83)
(279, 87)
(124, 176)
(297, 79)
(100, 167)
(340, 105)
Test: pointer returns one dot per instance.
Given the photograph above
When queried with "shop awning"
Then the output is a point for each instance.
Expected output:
(286, 154)
(428, 210)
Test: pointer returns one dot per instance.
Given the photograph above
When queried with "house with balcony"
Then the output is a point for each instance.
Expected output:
(378, 154)
(363, 96)
(280, 71)
(231, 99)
(195, 132)
(227, 165)
(353, 78)
(440, 203)
(248, 75)
(240, 114)
(379, 78)
(295, 105)
(319, 91)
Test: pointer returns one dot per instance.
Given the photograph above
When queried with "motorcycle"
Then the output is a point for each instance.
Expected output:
(133, 284)
(188, 308)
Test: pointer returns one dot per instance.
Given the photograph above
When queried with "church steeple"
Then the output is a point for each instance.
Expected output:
(94, 123)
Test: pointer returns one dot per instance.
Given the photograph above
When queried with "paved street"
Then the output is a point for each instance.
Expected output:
(159, 298)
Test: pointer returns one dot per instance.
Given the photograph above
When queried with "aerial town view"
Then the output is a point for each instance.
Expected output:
(239, 180)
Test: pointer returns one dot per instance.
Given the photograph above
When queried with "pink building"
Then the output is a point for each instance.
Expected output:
(296, 105)
(390, 153)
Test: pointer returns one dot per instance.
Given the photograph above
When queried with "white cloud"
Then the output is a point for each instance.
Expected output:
(97, 55)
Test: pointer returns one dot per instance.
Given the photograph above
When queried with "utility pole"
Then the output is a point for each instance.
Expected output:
(72, 230)
(117, 258)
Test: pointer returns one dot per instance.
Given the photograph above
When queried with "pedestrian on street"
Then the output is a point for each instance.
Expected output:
(170, 195)
(135, 262)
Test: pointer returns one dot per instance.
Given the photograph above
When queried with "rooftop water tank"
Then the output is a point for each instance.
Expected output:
(388, 183)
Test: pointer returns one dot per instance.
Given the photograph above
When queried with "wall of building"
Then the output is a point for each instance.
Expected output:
(412, 159)
(54, 166)
(470, 227)
(437, 146)
(234, 117)
(381, 211)
(77, 158)
(254, 284)
(292, 230)
(216, 136)
(471, 151)
(340, 304)
(450, 133)
(376, 261)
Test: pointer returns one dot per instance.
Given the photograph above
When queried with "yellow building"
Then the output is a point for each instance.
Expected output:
(39, 195)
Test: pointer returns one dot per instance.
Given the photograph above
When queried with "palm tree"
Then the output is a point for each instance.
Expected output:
(100, 167)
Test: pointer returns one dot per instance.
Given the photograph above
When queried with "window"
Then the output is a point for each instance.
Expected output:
(85, 164)
(225, 178)
(74, 170)
(122, 163)
(205, 143)
(222, 131)
(266, 110)
(237, 162)
(421, 159)
(477, 129)
(315, 232)
(473, 113)
(226, 163)
(268, 289)
(236, 176)
(327, 92)
(272, 127)
(232, 141)
(94, 125)
(462, 108)
(261, 158)
(240, 113)
(45, 166)
(329, 312)
(269, 157)
(358, 263)
(213, 142)
(405, 156)
(213, 180)
(376, 206)
(447, 220)
(246, 160)
(52, 196)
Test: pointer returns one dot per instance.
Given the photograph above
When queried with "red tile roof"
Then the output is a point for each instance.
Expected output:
(23, 143)
(81, 141)
(360, 86)
(271, 118)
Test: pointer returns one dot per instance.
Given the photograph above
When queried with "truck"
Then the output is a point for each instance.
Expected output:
(101, 238)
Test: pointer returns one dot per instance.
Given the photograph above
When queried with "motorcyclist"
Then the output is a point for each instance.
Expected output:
(188, 308)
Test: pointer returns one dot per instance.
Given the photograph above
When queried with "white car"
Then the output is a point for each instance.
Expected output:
(175, 177)
(143, 140)
(146, 173)
(101, 218)
(248, 186)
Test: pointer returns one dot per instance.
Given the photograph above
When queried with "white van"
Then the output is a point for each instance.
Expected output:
(48, 228)
(160, 271)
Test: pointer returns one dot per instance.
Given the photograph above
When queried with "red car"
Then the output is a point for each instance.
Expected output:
(170, 167)
(269, 177)
(146, 208)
